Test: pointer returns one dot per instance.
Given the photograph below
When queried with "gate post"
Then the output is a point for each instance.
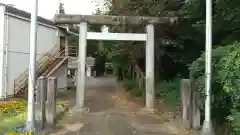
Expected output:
(186, 104)
(51, 101)
(150, 85)
(80, 94)
(40, 101)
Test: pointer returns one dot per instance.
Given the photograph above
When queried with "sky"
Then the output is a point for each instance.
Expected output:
(47, 8)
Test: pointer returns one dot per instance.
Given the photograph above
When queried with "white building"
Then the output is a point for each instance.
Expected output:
(14, 50)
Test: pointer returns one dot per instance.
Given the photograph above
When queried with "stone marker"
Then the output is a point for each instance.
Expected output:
(40, 102)
(186, 104)
(190, 110)
(196, 122)
(51, 101)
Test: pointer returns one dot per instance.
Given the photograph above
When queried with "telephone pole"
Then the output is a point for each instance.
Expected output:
(30, 123)
(207, 128)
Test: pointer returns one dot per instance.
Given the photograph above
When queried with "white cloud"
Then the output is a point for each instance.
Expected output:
(47, 8)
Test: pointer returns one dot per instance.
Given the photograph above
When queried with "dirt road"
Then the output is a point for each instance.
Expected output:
(110, 112)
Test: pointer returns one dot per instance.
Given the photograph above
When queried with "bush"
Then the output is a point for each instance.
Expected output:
(225, 82)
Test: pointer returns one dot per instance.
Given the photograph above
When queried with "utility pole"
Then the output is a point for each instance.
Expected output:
(207, 128)
(32, 67)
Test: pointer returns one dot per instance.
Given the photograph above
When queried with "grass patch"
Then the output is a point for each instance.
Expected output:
(169, 91)
(131, 86)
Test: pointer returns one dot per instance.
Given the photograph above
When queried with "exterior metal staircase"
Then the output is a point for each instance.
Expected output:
(45, 66)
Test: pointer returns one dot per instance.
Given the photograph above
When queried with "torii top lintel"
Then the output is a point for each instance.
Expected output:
(111, 20)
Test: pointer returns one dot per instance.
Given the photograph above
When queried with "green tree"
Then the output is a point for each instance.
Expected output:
(180, 45)
(61, 8)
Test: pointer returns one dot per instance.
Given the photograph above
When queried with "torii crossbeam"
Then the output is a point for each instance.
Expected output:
(148, 37)
(112, 20)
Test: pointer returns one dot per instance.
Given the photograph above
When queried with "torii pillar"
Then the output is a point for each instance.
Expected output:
(80, 95)
(150, 78)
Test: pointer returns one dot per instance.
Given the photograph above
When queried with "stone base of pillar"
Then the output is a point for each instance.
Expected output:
(29, 126)
(207, 128)
(147, 111)
(77, 109)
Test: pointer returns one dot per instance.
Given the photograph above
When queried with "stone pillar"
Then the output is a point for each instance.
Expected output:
(190, 110)
(80, 94)
(150, 84)
(51, 101)
(186, 104)
(40, 101)
(196, 122)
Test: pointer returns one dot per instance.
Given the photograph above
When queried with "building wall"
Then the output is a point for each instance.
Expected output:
(61, 75)
(16, 39)
(2, 29)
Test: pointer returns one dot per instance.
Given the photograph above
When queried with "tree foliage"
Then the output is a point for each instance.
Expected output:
(133, 53)
(181, 45)
(225, 82)
(225, 60)
(61, 8)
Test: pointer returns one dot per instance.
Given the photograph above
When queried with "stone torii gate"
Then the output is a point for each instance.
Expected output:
(148, 37)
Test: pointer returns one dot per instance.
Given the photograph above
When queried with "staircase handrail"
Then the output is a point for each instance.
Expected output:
(40, 62)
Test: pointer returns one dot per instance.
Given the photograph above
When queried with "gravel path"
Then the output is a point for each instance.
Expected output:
(111, 113)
